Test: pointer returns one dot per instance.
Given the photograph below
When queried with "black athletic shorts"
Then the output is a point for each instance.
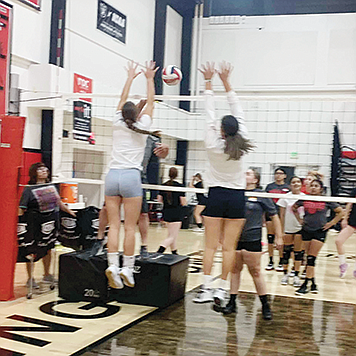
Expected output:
(173, 214)
(251, 246)
(225, 203)
(294, 233)
(319, 235)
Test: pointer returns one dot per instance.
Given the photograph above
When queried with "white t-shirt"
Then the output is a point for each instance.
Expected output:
(222, 172)
(128, 146)
(291, 224)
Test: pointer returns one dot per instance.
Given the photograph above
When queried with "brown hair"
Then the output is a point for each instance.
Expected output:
(129, 114)
(317, 175)
(33, 173)
(257, 175)
(173, 174)
(235, 145)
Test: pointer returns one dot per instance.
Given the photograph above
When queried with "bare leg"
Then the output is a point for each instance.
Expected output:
(297, 248)
(232, 231)
(132, 208)
(236, 274)
(143, 224)
(342, 237)
(253, 261)
(288, 241)
(213, 230)
(270, 230)
(314, 248)
(103, 222)
(113, 204)
(197, 213)
(47, 263)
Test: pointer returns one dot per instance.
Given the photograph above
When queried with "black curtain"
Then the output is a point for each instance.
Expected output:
(336, 154)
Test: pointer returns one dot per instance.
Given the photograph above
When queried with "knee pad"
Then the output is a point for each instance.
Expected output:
(298, 255)
(311, 261)
(287, 250)
(270, 238)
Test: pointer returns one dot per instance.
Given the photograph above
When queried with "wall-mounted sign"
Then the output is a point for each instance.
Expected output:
(82, 85)
(34, 3)
(111, 21)
(82, 121)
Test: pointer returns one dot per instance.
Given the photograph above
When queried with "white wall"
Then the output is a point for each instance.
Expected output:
(173, 47)
(286, 52)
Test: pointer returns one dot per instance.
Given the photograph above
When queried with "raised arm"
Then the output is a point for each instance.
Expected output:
(234, 103)
(208, 72)
(131, 75)
(150, 73)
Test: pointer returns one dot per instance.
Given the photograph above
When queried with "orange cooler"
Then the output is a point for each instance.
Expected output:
(69, 192)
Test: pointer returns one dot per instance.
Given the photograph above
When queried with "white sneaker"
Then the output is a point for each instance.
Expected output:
(292, 273)
(126, 273)
(198, 229)
(284, 280)
(296, 282)
(279, 268)
(112, 273)
(204, 296)
(220, 296)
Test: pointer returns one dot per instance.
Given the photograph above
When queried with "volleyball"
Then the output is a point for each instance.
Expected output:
(172, 75)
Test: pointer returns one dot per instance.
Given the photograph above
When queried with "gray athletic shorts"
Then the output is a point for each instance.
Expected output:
(123, 182)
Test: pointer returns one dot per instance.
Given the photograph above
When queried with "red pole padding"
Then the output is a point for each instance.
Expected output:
(11, 138)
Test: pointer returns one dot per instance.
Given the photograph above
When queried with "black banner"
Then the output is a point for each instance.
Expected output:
(81, 121)
(111, 21)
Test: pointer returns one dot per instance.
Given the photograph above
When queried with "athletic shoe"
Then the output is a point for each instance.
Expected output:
(220, 297)
(292, 273)
(314, 289)
(144, 253)
(266, 312)
(302, 290)
(198, 229)
(230, 308)
(269, 267)
(279, 268)
(112, 274)
(296, 282)
(126, 273)
(343, 268)
(204, 296)
(34, 284)
(49, 279)
(284, 280)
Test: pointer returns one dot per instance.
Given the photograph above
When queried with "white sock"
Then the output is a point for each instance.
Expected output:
(129, 261)
(224, 284)
(342, 259)
(207, 281)
(113, 259)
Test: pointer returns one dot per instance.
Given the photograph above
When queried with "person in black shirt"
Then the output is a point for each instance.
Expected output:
(279, 186)
(314, 230)
(348, 225)
(249, 248)
(197, 182)
(41, 198)
(172, 211)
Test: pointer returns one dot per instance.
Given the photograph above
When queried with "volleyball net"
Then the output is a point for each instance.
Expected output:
(295, 132)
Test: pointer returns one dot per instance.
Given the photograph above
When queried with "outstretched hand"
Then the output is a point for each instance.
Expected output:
(131, 70)
(150, 70)
(208, 70)
(225, 70)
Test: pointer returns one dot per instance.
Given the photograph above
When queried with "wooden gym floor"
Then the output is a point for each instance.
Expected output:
(323, 324)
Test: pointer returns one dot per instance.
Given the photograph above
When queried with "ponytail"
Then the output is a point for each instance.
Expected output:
(236, 146)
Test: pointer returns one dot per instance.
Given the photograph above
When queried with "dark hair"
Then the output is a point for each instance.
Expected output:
(257, 175)
(129, 113)
(173, 174)
(280, 169)
(32, 172)
(320, 182)
(295, 177)
(198, 175)
(235, 145)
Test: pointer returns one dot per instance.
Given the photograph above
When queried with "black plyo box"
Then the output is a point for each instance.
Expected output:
(159, 281)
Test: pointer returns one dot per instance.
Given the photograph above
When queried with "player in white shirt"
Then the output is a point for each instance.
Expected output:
(226, 141)
(292, 232)
(123, 182)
